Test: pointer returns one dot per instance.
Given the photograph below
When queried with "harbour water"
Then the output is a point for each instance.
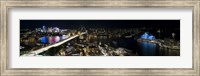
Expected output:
(130, 45)
(140, 48)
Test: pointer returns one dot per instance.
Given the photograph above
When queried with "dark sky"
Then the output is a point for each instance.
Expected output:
(32, 24)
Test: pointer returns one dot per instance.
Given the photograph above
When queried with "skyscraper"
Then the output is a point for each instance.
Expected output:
(44, 29)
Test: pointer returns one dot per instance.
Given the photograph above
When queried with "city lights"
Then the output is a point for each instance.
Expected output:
(99, 38)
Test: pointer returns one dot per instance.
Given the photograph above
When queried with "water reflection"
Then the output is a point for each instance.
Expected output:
(147, 49)
(151, 49)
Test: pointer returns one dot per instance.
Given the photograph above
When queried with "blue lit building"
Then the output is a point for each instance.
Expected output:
(147, 36)
(43, 39)
(144, 36)
(151, 37)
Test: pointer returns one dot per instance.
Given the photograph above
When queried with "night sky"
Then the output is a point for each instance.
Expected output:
(68, 24)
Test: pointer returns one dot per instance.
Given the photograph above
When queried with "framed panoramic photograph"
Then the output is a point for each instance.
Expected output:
(103, 37)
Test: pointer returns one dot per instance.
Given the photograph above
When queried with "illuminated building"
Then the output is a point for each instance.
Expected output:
(151, 37)
(43, 39)
(56, 29)
(49, 29)
(57, 38)
(147, 36)
(63, 37)
(31, 39)
(50, 40)
(62, 52)
(44, 29)
(144, 36)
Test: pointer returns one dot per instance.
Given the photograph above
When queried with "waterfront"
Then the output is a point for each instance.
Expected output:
(125, 46)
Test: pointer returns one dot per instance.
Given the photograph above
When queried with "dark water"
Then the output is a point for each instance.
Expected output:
(140, 48)
(151, 49)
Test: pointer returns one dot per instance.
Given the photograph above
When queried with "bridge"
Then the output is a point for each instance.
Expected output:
(36, 52)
